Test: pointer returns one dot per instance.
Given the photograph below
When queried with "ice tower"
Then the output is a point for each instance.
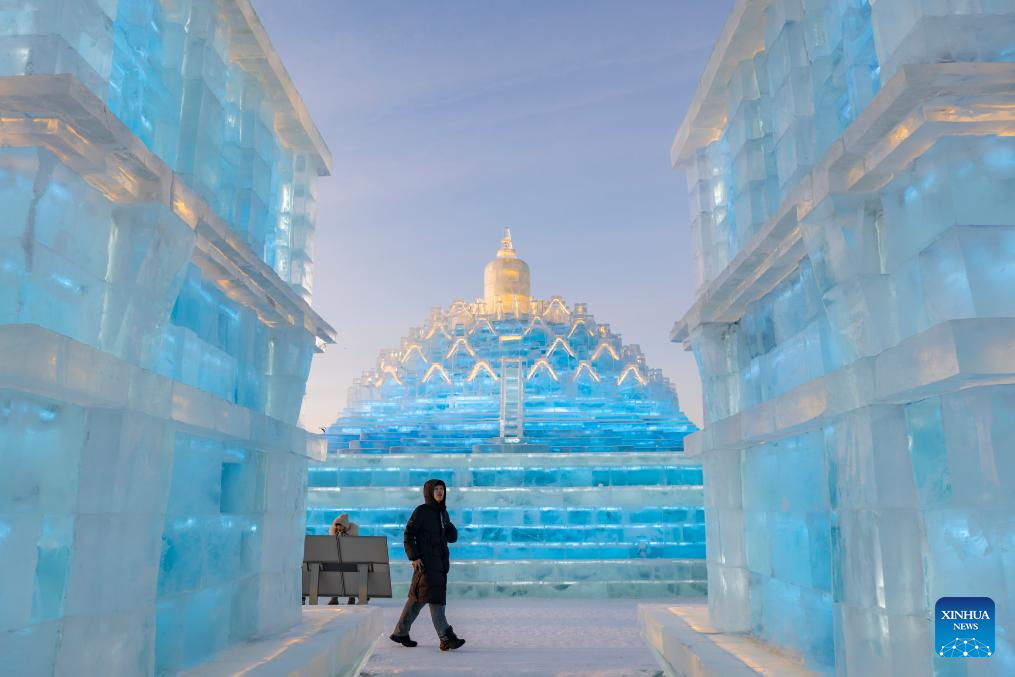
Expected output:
(560, 445)
(851, 168)
(157, 179)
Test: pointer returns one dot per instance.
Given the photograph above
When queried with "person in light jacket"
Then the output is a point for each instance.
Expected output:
(343, 527)
(427, 535)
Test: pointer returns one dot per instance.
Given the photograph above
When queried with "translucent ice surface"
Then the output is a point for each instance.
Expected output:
(632, 520)
(155, 334)
(852, 211)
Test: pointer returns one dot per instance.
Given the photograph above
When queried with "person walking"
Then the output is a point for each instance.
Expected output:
(427, 535)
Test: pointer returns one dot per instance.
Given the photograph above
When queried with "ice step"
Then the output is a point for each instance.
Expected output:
(622, 459)
(483, 497)
(600, 570)
(618, 588)
(567, 551)
(650, 515)
(644, 578)
(508, 476)
(535, 535)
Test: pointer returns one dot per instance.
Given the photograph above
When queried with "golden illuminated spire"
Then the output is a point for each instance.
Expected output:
(506, 280)
(507, 248)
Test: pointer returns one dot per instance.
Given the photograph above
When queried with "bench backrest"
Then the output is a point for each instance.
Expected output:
(339, 557)
(346, 549)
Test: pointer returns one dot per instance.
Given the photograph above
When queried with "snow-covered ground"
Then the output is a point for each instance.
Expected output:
(519, 636)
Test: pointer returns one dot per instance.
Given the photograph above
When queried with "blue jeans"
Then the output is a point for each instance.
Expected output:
(412, 609)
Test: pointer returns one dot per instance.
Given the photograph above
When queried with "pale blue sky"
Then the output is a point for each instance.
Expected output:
(451, 120)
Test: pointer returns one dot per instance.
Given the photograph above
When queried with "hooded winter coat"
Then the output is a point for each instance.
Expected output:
(351, 528)
(426, 538)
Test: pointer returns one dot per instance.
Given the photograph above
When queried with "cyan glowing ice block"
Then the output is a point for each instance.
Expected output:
(851, 347)
(594, 523)
(158, 179)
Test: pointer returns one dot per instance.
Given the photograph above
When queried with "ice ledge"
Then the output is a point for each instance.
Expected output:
(252, 50)
(919, 105)
(947, 357)
(58, 113)
(329, 642)
(741, 38)
(54, 366)
(685, 644)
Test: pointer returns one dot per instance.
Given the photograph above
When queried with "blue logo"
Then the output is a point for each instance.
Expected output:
(964, 627)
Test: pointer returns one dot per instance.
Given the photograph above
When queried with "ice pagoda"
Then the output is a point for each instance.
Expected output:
(562, 448)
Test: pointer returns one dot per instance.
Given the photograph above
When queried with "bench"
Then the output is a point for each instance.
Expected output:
(346, 566)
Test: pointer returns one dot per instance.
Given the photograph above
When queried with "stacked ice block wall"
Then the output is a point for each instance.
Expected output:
(560, 446)
(851, 168)
(156, 174)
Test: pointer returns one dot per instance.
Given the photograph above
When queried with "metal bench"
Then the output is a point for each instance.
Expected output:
(346, 566)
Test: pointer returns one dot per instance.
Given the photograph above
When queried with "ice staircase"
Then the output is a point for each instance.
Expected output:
(618, 524)
(512, 403)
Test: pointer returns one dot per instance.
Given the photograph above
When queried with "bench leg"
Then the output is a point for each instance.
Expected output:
(364, 572)
(315, 579)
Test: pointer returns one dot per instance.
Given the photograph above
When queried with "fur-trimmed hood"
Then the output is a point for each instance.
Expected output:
(351, 528)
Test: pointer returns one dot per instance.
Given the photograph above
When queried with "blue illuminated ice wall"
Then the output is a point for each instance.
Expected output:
(157, 177)
(560, 445)
(851, 167)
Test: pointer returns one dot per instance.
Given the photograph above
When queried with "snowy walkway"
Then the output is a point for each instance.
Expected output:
(517, 636)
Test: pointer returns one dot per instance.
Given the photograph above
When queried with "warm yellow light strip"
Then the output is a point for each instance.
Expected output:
(541, 363)
(415, 347)
(533, 323)
(434, 328)
(482, 365)
(482, 322)
(583, 323)
(585, 366)
(388, 370)
(556, 303)
(608, 348)
(563, 344)
(436, 368)
(460, 342)
(631, 370)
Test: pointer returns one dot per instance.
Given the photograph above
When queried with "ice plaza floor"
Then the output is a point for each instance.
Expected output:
(577, 637)
(521, 636)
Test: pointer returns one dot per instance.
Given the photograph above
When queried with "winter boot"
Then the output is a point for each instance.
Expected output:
(451, 641)
(403, 640)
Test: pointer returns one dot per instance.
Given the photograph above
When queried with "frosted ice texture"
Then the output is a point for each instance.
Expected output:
(853, 457)
(145, 524)
(592, 499)
(164, 70)
(786, 106)
(172, 83)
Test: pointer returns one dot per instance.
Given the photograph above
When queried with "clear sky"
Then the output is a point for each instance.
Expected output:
(450, 120)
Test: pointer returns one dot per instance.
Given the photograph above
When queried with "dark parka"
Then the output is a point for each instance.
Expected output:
(426, 538)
